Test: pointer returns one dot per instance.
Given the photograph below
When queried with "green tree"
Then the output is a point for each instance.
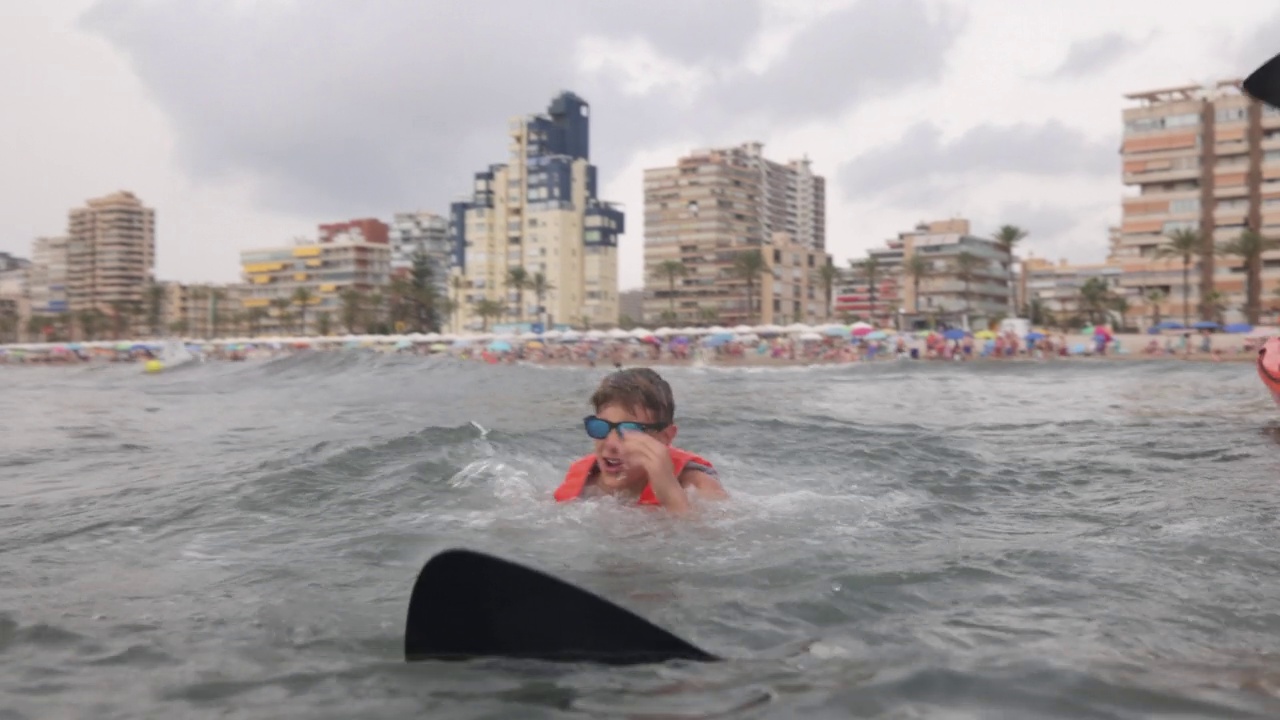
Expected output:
(489, 310)
(518, 280)
(869, 270)
(748, 266)
(1095, 297)
(323, 324)
(155, 306)
(1007, 239)
(1249, 247)
(917, 267)
(254, 318)
(1184, 244)
(828, 275)
(281, 307)
(352, 309)
(540, 286)
(459, 285)
(302, 297)
(1120, 305)
(669, 270)
(1155, 297)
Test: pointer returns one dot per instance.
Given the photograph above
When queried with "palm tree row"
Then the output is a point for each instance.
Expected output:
(1195, 248)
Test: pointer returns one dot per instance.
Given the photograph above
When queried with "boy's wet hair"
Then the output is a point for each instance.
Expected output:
(636, 388)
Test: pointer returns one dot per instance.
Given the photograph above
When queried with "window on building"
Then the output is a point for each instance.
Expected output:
(1233, 114)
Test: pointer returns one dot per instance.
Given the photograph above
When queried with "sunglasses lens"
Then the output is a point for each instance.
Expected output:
(597, 428)
(631, 427)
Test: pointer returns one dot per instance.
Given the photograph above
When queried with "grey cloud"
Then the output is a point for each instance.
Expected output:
(372, 107)
(1261, 44)
(871, 48)
(921, 159)
(1093, 55)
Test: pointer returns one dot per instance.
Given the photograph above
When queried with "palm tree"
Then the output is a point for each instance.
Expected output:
(540, 287)
(216, 296)
(155, 306)
(281, 305)
(870, 270)
(352, 311)
(748, 265)
(669, 270)
(518, 280)
(1094, 297)
(1007, 238)
(254, 316)
(89, 322)
(377, 311)
(917, 268)
(1155, 297)
(828, 275)
(487, 310)
(1249, 247)
(966, 264)
(1185, 244)
(1215, 303)
(1120, 304)
(8, 327)
(458, 283)
(301, 297)
(119, 319)
(709, 314)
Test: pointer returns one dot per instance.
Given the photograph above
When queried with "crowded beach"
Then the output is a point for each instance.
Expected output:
(742, 345)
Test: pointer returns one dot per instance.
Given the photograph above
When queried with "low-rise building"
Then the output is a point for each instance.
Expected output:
(339, 282)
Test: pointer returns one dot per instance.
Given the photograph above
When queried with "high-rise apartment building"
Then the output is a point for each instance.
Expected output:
(539, 211)
(426, 233)
(111, 253)
(712, 206)
(1204, 159)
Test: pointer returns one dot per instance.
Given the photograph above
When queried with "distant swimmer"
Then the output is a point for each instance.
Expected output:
(633, 428)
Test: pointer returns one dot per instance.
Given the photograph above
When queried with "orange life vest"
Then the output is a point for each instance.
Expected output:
(576, 479)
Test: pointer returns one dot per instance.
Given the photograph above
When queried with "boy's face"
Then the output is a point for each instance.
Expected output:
(609, 454)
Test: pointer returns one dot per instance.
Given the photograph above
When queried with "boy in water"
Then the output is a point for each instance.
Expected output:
(633, 428)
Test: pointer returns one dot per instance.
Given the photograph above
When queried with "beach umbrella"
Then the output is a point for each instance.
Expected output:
(876, 335)
(984, 335)
(1205, 325)
(1238, 328)
(810, 336)
(1033, 336)
(954, 334)
(862, 331)
(500, 346)
(862, 324)
(835, 331)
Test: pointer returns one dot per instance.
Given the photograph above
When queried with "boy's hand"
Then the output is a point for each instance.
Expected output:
(641, 450)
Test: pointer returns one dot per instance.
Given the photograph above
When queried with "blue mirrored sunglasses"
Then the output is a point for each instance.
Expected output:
(599, 428)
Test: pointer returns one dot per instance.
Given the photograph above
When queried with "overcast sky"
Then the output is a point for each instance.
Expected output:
(246, 123)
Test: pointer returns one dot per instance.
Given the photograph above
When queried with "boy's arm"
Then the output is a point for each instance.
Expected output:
(706, 484)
